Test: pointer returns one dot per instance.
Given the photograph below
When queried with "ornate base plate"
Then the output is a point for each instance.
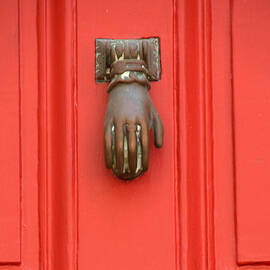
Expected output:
(111, 50)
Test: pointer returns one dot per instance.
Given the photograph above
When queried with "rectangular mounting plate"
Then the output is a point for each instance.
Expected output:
(110, 50)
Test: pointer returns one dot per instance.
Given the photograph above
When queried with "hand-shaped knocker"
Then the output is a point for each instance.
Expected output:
(130, 113)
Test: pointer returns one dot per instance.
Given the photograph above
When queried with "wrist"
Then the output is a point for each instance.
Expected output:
(128, 71)
(128, 91)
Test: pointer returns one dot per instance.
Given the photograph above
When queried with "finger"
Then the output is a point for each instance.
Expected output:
(158, 131)
(108, 144)
(119, 142)
(145, 144)
(132, 147)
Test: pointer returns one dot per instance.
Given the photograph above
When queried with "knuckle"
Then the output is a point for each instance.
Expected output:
(119, 149)
(145, 143)
(107, 138)
(132, 147)
(131, 127)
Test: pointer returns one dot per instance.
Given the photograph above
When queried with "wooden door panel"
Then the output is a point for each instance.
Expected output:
(18, 136)
(251, 66)
(124, 225)
(10, 139)
(240, 61)
(203, 202)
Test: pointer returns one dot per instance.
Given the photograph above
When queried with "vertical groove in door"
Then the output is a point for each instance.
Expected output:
(176, 94)
(57, 134)
(20, 119)
(193, 67)
(42, 137)
(74, 105)
(206, 31)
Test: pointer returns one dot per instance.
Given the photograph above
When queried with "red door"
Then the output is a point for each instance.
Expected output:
(204, 201)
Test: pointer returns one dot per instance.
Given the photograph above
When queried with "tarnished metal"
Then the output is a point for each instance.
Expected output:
(139, 151)
(112, 50)
(129, 65)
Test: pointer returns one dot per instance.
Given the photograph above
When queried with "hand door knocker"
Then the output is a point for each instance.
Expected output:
(129, 65)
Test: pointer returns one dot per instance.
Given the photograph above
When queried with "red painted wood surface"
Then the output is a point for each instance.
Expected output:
(240, 128)
(19, 245)
(224, 243)
(251, 84)
(10, 138)
(203, 203)
(124, 225)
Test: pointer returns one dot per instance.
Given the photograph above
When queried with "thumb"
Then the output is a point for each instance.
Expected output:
(158, 131)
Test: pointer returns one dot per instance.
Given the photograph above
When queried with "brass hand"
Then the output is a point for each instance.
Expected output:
(129, 117)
